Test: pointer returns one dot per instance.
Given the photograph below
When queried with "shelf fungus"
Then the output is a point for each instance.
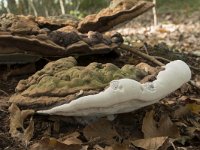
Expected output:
(34, 38)
(69, 90)
(62, 81)
(118, 12)
(126, 95)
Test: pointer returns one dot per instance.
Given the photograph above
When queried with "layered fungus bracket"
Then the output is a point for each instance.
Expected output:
(118, 12)
(56, 22)
(31, 40)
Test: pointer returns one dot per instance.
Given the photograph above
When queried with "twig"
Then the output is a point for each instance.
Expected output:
(167, 60)
(161, 58)
(4, 92)
(172, 144)
(137, 52)
(146, 50)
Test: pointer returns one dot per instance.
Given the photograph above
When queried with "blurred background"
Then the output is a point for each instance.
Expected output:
(80, 8)
(173, 22)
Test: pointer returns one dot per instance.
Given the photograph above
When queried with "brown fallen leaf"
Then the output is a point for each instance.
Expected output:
(28, 132)
(53, 144)
(149, 125)
(150, 143)
(119, 146)
(101, 128)
(72, 139)
(165, 127)
(180, 112)
(194, 107)
(17, 118)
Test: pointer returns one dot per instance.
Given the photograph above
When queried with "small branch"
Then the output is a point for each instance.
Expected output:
(161, 58)
(167, 60)
(4, 92)
(137, 52)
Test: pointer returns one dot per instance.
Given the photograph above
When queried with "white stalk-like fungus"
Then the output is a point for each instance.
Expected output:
(126, 95)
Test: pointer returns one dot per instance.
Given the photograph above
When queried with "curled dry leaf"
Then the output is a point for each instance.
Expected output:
(53, 144)
(150, 143)
(165, 126)
(101, 128)
(17, 118)
(28, 132)
(119, 146)
(194, 107)
(184, 110)
(72, 139)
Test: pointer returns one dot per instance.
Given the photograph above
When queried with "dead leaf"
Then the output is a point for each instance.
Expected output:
(119, 146)
(53, 144)
(72, 139)
(165, 127)
(149, 125)
(97, 147)
(150, 143)
(28, 132)
(101, 128)
(194, 107)
(146, 67)
(190, 107)
(17, 118)
(180, 112)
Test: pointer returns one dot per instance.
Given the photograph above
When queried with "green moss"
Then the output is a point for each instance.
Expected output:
(63, 77)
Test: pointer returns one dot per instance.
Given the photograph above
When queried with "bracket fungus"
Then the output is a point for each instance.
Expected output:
(126, 95)
(118, 12)
(62, 81)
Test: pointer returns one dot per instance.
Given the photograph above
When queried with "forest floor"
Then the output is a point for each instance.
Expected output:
(174, 123)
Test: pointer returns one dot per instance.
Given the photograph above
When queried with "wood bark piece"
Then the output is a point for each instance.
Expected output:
(110, 17)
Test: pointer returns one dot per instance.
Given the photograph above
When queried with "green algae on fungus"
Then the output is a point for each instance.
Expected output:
(61, 78)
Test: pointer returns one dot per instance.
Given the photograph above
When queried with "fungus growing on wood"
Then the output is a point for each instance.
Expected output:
(126, 95)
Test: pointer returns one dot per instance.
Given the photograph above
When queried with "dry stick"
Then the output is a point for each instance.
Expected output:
(167, 60)
(161, 58)
(4, 92)
(137, 52)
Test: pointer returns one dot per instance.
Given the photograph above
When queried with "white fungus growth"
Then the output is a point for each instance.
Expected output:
(126, 95)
